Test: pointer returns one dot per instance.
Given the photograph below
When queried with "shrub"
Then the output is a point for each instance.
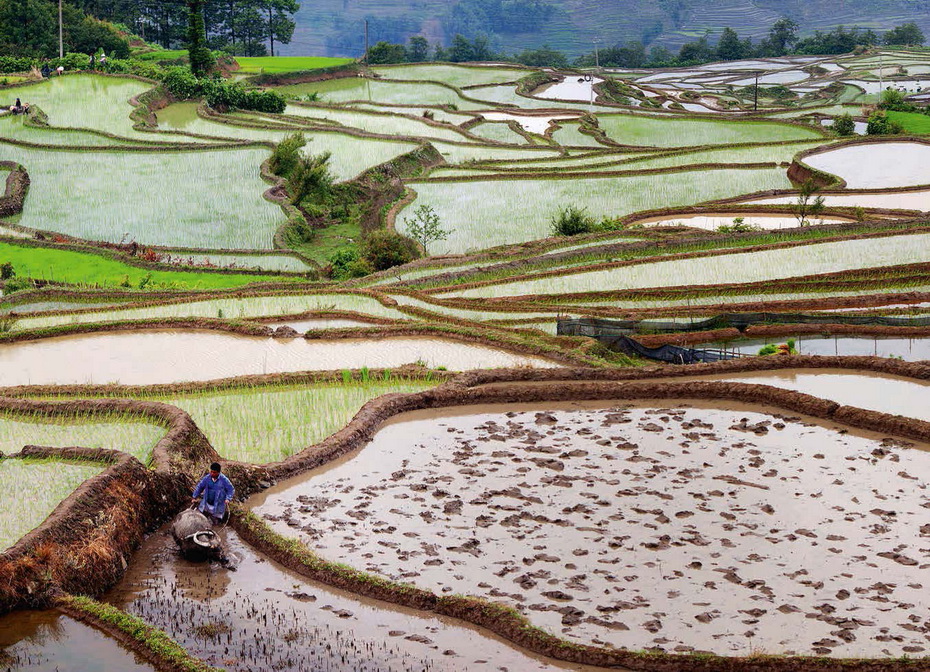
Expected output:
(14, 64)
(311, 176)
(572, 221)
(286, 154)
(385, 249)
(425, 226)
(738, 226)
(347, 262)
(181, 83)
(844, 125)
(880, 124)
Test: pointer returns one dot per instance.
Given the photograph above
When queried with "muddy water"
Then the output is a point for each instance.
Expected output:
(46, 640)
(150, 357)
(877, 165)
(681, 529)
(267, 618)
(875, 392)
(908, 349)
(303, 326)
(711, 222)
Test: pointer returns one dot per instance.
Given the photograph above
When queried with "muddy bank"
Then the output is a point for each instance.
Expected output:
(84, 544)
(787, 331)
(571, 512)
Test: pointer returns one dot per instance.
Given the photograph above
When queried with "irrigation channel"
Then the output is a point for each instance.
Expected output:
(433, 472)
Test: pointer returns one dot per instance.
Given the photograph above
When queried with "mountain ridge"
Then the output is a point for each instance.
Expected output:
(336, 27)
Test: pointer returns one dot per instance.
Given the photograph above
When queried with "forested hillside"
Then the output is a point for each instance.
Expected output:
(336, 27)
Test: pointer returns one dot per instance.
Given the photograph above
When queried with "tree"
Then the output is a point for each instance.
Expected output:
(544, 57)
(782, 36)
(698, 51)
(425, 226)
(809, 204)
(844, 125)
(384, 249)
(280, 25)
(908, 34)
(461, 49)
(311, 176)
(384, 52)
(28, 28)
(880, 124)
(729, 48)
(200, 56)
(418, 49)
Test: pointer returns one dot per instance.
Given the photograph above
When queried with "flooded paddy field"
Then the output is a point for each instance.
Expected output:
(908, 349)
(258, 615)
(871, 391)
(679, 528)
(42, 641)
(168, 356)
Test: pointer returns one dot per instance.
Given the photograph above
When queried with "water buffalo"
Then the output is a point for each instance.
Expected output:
(194, 535)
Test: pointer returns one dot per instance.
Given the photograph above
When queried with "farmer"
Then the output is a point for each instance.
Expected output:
(214, 491)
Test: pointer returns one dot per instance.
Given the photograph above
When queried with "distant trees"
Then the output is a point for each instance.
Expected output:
(907, 34)
(244, 27)
(29, 28)
(782, 36)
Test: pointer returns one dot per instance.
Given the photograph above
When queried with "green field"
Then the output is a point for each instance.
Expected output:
(913, 122)
(85, 268)
(275, 65)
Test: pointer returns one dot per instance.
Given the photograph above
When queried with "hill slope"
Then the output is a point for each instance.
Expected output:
(336, 27)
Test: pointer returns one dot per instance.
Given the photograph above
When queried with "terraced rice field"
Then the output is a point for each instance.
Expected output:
(404, 428)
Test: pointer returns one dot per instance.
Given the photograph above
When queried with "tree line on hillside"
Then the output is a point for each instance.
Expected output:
(782, 40)
(240, 27)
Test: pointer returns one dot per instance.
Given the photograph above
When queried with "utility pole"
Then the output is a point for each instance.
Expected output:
(881, 74)
(61, 34)
(597, 61)
(366, 41)
(755, 105)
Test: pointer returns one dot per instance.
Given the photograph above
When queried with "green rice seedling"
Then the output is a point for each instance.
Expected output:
(498, 131)
(456, 75)
(393, 124)
(628, 129)
(758, 266)
(216, 197)
(372, 90)
(134, 437)
(31, 491)
(243, 308)
(262, 425)
(482, 214)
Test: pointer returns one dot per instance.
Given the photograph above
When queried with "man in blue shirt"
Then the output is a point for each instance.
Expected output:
(214, 491)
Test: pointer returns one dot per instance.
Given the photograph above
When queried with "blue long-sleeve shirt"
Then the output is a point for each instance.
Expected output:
(215, 494)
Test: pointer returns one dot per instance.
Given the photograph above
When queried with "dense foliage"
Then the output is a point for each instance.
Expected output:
(29, 29)
(222, 94)
(244, 27)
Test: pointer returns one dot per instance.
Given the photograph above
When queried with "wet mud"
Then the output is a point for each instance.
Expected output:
(259, 616)
(678, 529)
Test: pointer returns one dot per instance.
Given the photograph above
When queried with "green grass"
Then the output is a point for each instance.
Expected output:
(85, 268)
(281, 64)
(913, 122)
(330, 239)
(160, 55)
